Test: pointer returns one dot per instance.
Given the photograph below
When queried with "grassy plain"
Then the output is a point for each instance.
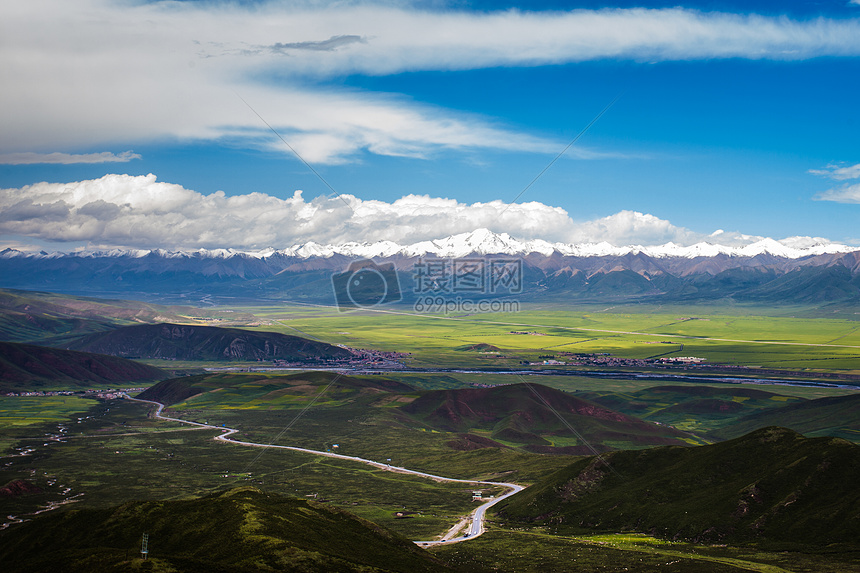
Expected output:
(782, 342)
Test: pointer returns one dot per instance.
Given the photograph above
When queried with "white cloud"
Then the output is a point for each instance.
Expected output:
(101, 72)
(847, 193)
(844, 194)
(141, 212)
(633, 228)
(839, 172)
(31, 158)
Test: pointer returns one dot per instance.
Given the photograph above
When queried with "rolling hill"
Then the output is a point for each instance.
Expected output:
(237, 531)
(773, 486)
(837, 416)
(176, 390)
(525, 415)
(29, 367)
(183, 342)
(707, 408)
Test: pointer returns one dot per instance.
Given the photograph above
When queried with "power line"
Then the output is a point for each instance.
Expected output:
(566, 423)
(296, 153)
(563, 151)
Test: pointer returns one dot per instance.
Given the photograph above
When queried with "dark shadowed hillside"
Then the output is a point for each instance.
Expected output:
(241, 530)
(24, 366)
(772, 485)
(525, 415)
(183, 342)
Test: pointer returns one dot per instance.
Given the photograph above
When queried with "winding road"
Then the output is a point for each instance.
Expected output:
(478, 516)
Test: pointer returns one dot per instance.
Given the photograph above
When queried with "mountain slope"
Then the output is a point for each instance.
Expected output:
(183, 342)
(837, 416)
(28, 316)
(238, 531)
(29, 367)
(707, 408)
(176, 390)
(770, 486)
(525, 415)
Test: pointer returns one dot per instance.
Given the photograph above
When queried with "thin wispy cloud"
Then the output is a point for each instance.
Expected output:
(32, 158)
(848, 193)
(839, 172)
(329, 45)
(144, 72)
(844, 194)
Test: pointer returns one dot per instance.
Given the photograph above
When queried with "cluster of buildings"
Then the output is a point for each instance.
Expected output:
(358, 357)
(108, 394)
(605, 359)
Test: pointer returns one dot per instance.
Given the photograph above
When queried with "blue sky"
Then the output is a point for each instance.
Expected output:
(428, 118)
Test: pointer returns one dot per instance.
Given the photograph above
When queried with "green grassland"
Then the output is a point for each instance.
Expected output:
(19, 412)
(29, 410)
(782, 342)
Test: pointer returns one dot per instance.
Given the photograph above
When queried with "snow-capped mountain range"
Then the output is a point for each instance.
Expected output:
(799, 270)
(486, 242)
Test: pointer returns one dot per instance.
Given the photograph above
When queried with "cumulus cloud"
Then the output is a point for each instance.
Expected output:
(31, 158)
(633, 228)
(142, 212)
(92, 72)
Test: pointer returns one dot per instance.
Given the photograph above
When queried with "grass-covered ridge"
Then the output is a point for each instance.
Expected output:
(771, 486)
(241, 530)
(211, 343)
(540, 418)
(30, 367)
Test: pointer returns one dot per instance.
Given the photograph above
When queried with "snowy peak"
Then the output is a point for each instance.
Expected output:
(486, 242)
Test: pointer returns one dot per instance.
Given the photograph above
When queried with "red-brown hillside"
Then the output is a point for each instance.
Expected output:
(536, 417)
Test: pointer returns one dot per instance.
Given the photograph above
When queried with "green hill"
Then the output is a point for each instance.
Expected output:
(29, 367)
(772, 486)
(263, 386)
(241, 530)
(837, 416)
(703, 409)
(184, 342)
(525, 415)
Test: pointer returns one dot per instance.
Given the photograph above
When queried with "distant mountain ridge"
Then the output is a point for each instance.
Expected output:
(793, 271)
(485, 242)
